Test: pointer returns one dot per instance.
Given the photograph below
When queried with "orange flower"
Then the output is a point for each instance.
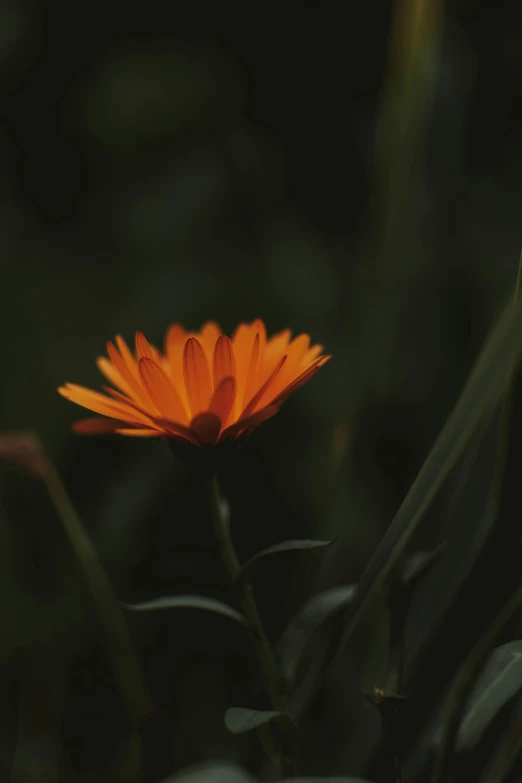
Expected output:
(205, 388)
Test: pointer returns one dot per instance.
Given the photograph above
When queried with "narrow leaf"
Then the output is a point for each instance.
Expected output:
(318, 609)
(240, 719)
(472, 509)
(189, 602)
(482, 392)
(464, 685)
(420, 564)
(284, 546)
(500, 680)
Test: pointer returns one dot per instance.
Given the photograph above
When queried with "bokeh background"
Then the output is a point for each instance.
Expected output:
(189, 162)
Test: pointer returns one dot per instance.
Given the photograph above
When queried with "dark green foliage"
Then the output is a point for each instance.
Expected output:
(354, 178)
(188, 602)
(239, 719)
(248, 569)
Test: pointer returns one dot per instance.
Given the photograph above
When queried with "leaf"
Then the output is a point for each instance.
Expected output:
(481, 393)
(189, 602)
(212, 772)
(284, 546)
(420, 564)
(500, 680)
(472, 508)
(463, 687)
(240, 719)
(314, 612)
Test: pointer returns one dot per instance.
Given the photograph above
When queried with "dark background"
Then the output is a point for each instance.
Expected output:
(169, 163)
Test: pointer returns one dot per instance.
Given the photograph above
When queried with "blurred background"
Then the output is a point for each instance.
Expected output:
(353, 173)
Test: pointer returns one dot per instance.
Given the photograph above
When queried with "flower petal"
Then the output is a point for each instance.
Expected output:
(197, 376)
(140, 432)
(293, 367)
(260, 329)
(297, 382)
(251, 376)
(145, 414)
(312, 353)
(275, 348)
(143, 347)
(126, 372)
(174, 345)
(208, 338)
(203, 378)
(179, 431)
(207, 426)
(127, 356)
(263, 394)
(175, 338)
(223, 399)
(96, 426)
(243, 343)
(98, 403)
(224, 362)
(296, 352)
(112, 374)
(161, 391)
(249, 422)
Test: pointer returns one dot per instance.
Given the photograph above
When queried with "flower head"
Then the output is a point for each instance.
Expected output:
(203, 389)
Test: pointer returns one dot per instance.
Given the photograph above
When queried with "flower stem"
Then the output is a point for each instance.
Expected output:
(126, 666)
(267, 662)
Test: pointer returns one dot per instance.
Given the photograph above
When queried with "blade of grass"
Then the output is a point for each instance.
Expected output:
(383, 277)
(127, 669)
(481, 393)
(475, 512)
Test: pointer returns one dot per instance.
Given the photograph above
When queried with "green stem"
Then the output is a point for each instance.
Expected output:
(511, 760)
(126, 666)
(394, 771)
(271, 674)
(398, 606)
(391, 706)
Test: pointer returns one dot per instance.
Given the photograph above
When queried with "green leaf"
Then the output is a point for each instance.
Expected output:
(240, 719)
(250, 566)
(500, 680)
(318, 609)
(420, 564)
(464, 685)
(212, 772)
(481, 394)
(472, 509)
(189, 602)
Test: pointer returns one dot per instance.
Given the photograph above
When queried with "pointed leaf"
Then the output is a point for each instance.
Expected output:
(318, 609)
(240, 719)
(482, 393)
(500, 680)
(297, 544)
(189, 602)
(420, 564)
(472, 509)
